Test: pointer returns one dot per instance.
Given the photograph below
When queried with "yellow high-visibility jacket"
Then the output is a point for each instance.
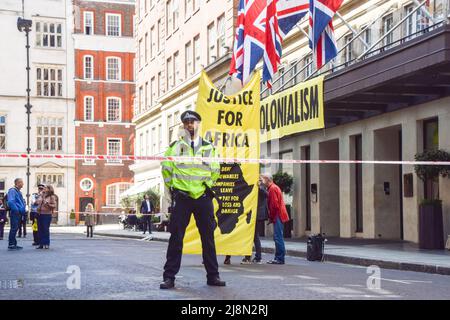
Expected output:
(190, 176)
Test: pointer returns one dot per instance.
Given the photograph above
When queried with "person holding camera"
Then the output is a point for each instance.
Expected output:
(191, 182)
(46, 205)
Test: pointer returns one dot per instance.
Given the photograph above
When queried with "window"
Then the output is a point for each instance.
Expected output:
(48, 35)
(197, 54)
(161, 34)
(88, 108)
(169, 17)
(54, 179)
(189, 65)
(146, 142)
(188, 7)
(49, 82)
(152, 91)
(308, 65)
(49, 134)
(141, 144)
(171, 128)
(176, 68)
(221, 36)
(348, 51)
(416, 22)
(141, 91)
(160, 138)
(113, 25)
(388, 23)
(146, 96)
(113, 109)
(113, 68)
(160, 84)
(154, 140)
(88, 22)
(113, 193)
(88, 67)
(86, 184)
(114, 149)
(196, 5)
(2, 133)
(176, 13)
(212, 42)
(169, 75)
(141, 54)
(153, 37)
(89, 149)
(146, 44)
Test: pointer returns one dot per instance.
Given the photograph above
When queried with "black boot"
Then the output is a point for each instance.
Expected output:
(167, 284)
(216, 282)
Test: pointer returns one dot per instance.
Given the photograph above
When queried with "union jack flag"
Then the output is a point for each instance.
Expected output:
(255, 38)
(322, 39)
(249, 44)
(282, 16)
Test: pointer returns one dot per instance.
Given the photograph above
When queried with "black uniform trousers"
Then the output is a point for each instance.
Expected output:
(203, 211)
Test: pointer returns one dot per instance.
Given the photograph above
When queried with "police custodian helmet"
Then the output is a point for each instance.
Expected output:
(190, 115)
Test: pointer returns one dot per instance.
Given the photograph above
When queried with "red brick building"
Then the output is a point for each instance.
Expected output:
(104, 84)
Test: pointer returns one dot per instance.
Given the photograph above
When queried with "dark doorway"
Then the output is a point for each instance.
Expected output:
(358, 184)
(400, 177)
(308, 188)
(431, 142)
(84, 202)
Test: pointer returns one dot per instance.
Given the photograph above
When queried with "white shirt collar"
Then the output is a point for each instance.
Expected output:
(196, 141)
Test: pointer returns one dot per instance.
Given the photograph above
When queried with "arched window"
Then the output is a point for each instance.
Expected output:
(113, 192)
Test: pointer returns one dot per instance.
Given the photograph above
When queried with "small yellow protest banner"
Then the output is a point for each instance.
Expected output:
(294, 110)
(231, 123)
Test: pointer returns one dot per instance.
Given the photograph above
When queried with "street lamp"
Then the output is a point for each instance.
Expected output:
(25, 25)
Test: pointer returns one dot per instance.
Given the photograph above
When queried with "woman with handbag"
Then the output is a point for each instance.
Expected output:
(46, 206)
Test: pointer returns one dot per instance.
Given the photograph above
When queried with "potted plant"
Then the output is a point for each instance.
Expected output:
(285, 182)
(72, 218)
(431, 230)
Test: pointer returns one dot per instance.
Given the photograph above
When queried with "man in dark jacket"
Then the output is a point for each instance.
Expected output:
(147, 209)
(16, 205)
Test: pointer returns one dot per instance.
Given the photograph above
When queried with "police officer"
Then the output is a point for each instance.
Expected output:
(190, 183)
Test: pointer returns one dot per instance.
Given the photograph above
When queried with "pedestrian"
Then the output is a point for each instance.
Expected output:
(3, 219)
(16, 205)
(190, 183)
(262, 215)
(46, 206)
(89, 220)
(34, 213)
(147, 209)
(23, 225)
(277, 215)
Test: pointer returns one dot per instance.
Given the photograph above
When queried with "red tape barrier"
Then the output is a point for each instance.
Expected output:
(204, 159)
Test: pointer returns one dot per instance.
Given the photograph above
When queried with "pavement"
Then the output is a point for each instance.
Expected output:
(364, 252)
(112, 268)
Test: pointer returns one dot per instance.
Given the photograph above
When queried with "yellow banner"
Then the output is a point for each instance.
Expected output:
(231, 123)
(294, 110)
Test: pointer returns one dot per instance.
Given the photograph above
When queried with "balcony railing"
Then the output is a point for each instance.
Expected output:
(405, 24)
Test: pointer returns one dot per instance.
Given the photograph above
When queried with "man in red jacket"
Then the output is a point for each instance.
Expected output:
(277, 215)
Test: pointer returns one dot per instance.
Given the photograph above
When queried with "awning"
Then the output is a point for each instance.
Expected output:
(140, 187)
